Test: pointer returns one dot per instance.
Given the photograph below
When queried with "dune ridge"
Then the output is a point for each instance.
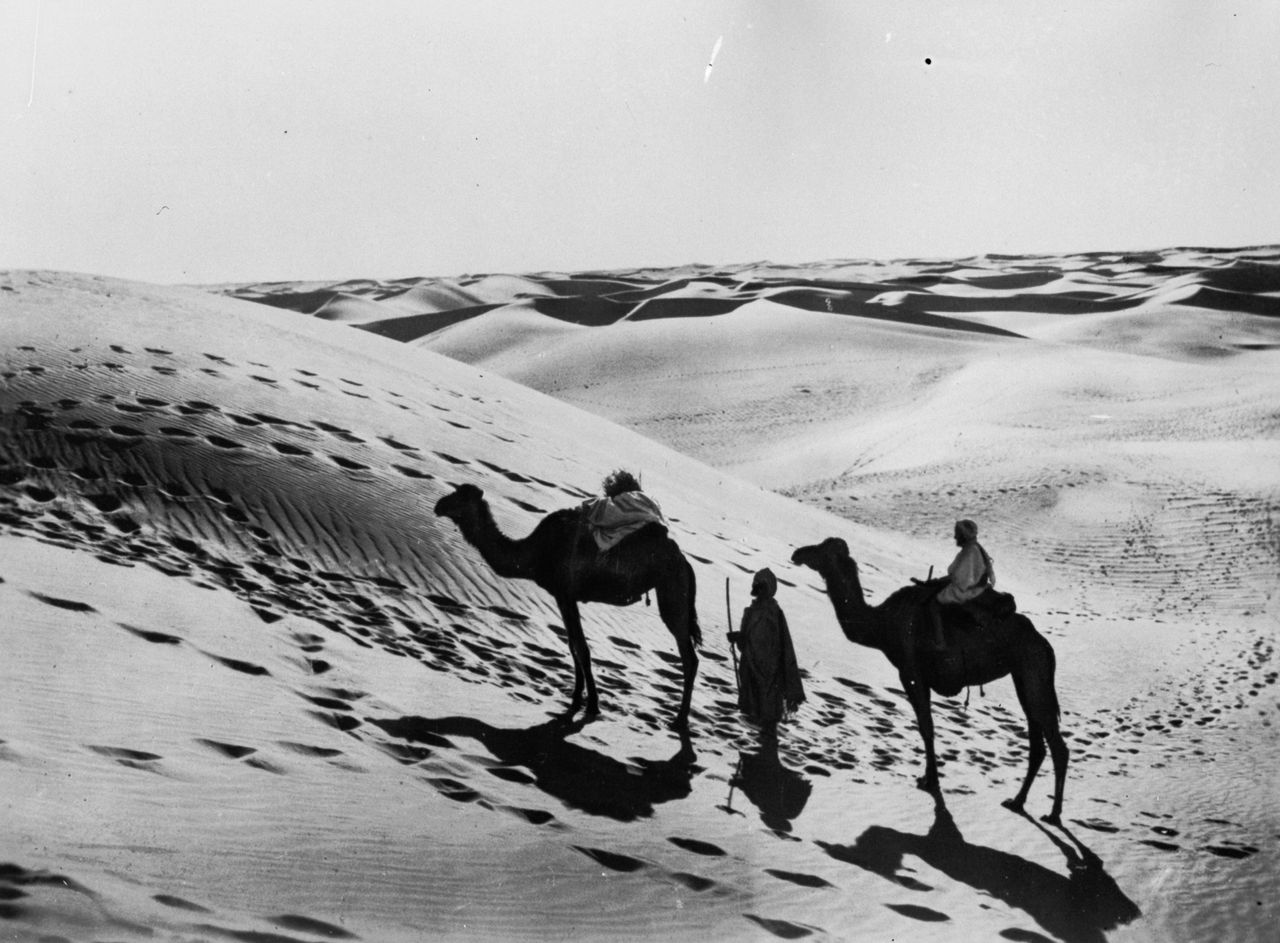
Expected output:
(931, 292)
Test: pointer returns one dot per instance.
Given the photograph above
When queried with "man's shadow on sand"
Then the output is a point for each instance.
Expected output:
(778, 792)
(578, 776)
(1076, 908)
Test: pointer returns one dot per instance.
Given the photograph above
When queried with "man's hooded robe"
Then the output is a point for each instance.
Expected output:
(769, 687)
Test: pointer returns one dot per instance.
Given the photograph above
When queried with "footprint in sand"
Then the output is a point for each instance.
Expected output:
(694, 882)
(178, 903)
(244, 667)
(343, 722)
(506, 473)
(157, 638)
(507, 613)
(305, 749)
(1231, 850)
(134, 759)
(397, 445)
(916, 912)
(413, 473)
(230, 750)
(309, 925)
(346, 435)
(447, 603)
(70, 605)
(348, 464)
(611, 859)
(804, 880)
(452, 789)
(783, 929)
(698, 847)
(328, 703)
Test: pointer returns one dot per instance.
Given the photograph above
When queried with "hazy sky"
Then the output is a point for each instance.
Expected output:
(197, 142)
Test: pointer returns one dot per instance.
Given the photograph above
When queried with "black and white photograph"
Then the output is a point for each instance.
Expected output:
(639, 471)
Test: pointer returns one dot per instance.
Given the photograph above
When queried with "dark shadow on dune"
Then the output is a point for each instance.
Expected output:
(412, 327)
(580, 777)
(1077, 908)
(1244, 276)
(778, 792)
(657, 308)
(590, 310)
(913, 309)
(1218, 299)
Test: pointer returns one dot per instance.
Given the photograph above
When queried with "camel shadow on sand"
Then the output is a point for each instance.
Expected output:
(1076, 908)
(542, 757)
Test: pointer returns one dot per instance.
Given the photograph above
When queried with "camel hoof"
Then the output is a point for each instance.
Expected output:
(924, 784)
(679, 723)
(1053, 818)
(1014, 805)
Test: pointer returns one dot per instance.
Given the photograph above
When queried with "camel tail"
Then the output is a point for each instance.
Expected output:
(695, 630)
(1053, 688)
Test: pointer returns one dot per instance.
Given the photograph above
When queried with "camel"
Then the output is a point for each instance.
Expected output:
(561, 556)
(1009, 646)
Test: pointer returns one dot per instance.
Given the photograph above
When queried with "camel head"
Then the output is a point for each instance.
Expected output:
(460, 503)
(821, 557)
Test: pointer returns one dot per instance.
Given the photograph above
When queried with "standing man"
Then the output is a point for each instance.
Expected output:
(770, 688)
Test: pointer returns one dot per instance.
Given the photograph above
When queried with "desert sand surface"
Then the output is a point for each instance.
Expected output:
(256, 690)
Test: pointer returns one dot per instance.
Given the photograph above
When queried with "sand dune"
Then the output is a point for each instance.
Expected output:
(925, 292)
(265, 694)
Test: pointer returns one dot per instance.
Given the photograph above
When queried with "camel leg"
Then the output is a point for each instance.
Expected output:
(1040, 704)
(672, 607)
(582, 675)
(1035, 756)
(921, 701)
(689, 665)
(1058, 748)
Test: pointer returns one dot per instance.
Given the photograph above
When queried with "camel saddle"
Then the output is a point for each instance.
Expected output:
(612, 520)
(992, 606)
(588, 543)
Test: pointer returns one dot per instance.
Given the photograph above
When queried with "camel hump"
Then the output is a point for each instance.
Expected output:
(1000, 605)
(612, 520)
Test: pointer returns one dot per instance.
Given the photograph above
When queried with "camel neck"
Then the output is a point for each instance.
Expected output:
(505, 556)
(855, 616)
